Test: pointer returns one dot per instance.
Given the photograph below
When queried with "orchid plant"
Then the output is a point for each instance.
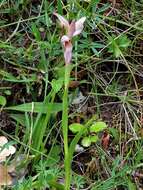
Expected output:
(72, 29)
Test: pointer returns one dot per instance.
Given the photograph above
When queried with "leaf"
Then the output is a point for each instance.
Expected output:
(37, 107)
(104, 8)
(20, 118)
(76, 127)
(124, 42)
(7, 92)
(115, 133)
(118, 44)
(57, 84)
(98, 126)
(59, 7)
(131, 185)
(94, 138)
(105, 141)
(74, 143)
(5, 178)
(86, 141)
(53, 156)
(2, 101)
(36, 32)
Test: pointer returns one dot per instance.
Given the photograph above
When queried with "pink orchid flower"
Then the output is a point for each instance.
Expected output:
(72, 29)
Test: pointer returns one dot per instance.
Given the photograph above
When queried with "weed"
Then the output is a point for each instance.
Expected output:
(40, 80)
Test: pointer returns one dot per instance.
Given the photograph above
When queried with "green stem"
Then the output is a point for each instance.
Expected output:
(65, 128)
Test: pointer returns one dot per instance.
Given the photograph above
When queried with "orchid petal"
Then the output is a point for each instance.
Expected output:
(65, 40)
(63, 21)
(79, 26)
(71, 29)
(68, 53)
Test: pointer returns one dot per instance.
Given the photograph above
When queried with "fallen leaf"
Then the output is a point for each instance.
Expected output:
(5, 178)
(105, 140)
(74, 84)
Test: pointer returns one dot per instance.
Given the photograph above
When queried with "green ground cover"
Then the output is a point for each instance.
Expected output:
(78, 126)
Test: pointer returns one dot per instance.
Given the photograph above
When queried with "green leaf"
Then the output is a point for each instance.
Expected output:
(7, 92)
(36, 32)
(75, 141)
(86, 141)
(53, 156)
(2, 101)
(57, 84)
(117, 45)
(104, 8)
(98, 126)
(115, 133)
(76, 127)
(37, 107)
(20, 118)
(131, 185)
(124, 42)
(94, 138)
(60, 7)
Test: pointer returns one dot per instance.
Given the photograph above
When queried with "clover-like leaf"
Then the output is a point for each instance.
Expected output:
(94, 138)
(98, 126)
(76, 127)
(86, 141)
(57, 84)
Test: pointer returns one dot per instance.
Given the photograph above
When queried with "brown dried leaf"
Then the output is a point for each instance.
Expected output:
(105, 140)
(74, 84)
(5, 178)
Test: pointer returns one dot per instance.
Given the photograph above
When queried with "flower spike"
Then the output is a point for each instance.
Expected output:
(72, 29)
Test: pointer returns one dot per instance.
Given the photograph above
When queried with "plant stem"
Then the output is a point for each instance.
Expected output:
(65, 129)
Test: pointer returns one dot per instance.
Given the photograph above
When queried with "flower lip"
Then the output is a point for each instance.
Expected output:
(65, 39)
